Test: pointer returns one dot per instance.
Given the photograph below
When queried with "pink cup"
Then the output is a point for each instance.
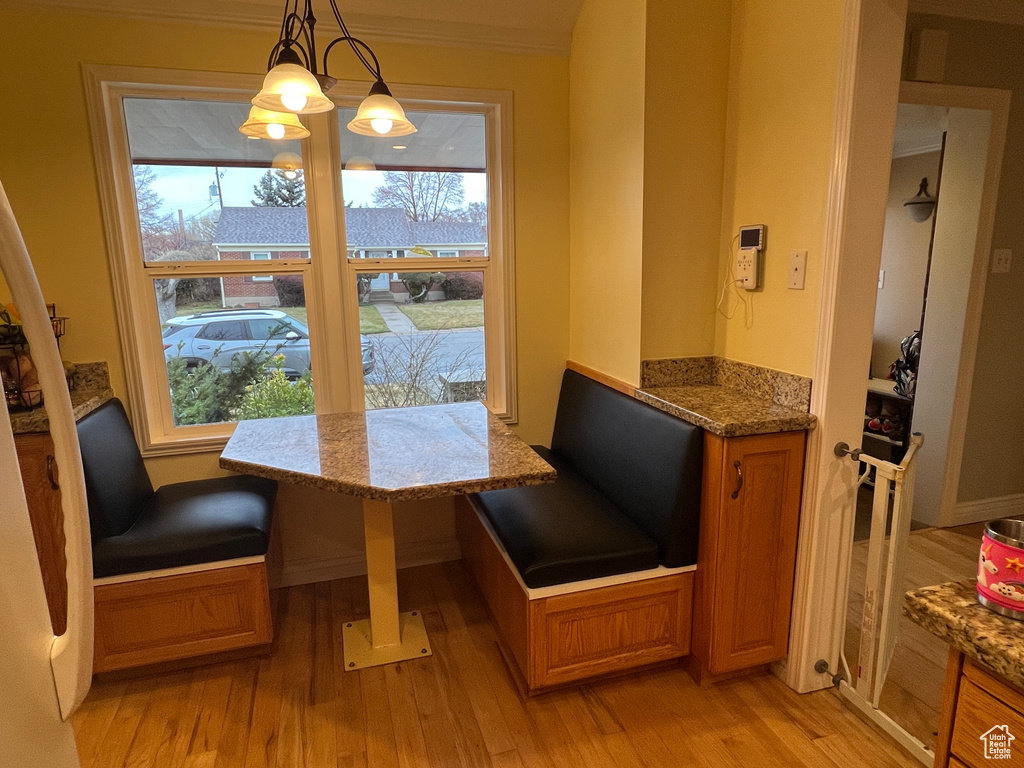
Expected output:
(1001, 568)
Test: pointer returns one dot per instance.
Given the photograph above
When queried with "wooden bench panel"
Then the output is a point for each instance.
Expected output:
(189, 615)
(611, 629)
(571, 637)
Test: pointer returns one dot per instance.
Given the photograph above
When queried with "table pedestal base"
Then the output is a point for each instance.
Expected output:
(360, 653)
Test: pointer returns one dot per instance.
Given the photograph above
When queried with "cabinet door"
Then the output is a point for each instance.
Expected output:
(39, 473)
(748, 547)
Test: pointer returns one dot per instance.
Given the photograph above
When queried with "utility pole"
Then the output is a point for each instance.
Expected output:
(220, 193)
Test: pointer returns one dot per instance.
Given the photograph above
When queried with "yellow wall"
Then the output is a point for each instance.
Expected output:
(687, 78)
(782, 88)
(606, 129)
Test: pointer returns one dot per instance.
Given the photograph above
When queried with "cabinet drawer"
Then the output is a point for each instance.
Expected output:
(978, 714)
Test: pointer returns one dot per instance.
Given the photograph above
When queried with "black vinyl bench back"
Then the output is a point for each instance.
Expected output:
(645, 461)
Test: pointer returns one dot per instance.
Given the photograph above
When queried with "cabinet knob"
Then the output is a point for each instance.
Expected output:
(739, 479)
(51, 463)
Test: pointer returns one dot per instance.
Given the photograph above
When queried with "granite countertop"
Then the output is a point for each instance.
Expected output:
(91, 390)
(726, 411)
(391, 455)
(952, 613)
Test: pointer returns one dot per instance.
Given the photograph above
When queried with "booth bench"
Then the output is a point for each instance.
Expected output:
(180, 571)
(594, 573)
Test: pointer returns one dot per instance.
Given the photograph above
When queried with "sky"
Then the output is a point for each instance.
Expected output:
(188, 188)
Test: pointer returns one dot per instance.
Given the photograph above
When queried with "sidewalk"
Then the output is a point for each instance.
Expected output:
(395, 319)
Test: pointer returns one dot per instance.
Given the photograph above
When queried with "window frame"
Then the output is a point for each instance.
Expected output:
(330, 278)
(261, 256)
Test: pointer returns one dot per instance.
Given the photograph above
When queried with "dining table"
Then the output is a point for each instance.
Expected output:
(386, 457)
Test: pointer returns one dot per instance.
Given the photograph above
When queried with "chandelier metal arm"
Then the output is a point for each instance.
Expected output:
(354, 42)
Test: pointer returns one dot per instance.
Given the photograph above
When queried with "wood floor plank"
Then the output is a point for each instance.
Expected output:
(412, 749)
(350, 714)
(261, 749)
(233, 743)
(381, 748)
(92, 725)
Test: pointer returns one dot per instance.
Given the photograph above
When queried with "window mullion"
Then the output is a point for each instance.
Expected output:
(331, 345)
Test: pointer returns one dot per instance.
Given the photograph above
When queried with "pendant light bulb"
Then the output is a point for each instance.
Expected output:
(382, 125)
(294, 101)
(275, 130)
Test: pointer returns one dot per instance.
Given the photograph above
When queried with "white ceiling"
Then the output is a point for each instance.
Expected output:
(540, 26)
(919, 129)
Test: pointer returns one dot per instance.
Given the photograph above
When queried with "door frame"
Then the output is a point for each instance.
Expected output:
(868, 91)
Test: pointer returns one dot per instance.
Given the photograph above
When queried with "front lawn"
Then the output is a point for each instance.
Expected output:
(370, 320)
(442, 315)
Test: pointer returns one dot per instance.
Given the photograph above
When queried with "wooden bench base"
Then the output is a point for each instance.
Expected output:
(556, 639)
(158, 619)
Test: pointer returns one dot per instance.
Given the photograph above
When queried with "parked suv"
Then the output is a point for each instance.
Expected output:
(216, 337)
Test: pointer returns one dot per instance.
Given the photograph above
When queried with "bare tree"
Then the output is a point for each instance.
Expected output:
(167, 289)
(423, 195)
(414, 372)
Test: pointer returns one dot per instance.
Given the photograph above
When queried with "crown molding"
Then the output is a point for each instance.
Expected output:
(260, 15)
(998, 11)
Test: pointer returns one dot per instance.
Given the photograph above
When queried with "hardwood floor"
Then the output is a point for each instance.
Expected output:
(298, 708)
(913, 689)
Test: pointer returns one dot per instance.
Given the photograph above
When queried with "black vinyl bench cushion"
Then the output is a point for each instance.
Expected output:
(201, 521)
(565, 531)
(136, 529)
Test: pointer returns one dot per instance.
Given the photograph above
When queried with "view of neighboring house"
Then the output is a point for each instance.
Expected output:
(256, 233)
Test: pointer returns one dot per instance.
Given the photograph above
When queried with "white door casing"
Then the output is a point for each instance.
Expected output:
(871, 53)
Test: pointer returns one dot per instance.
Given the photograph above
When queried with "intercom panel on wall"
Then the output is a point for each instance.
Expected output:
(748, 257)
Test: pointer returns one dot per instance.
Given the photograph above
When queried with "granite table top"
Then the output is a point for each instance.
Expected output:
(952, 613)
(725, 411)
(396, 454)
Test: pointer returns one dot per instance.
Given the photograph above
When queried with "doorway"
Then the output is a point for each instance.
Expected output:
(926, 290)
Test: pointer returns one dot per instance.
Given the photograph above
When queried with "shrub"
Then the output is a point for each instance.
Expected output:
(463, 285)
(276, 396)
(418, 283)
(290, 291)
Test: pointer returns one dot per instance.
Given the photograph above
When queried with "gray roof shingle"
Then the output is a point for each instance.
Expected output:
(365, 228)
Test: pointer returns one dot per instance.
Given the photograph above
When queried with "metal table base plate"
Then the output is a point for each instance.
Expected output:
(360, 653)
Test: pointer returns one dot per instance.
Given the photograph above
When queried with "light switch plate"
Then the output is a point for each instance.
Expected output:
(797, 270)
(1001, 260)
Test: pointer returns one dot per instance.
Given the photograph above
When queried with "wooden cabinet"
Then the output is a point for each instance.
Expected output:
(39, 472)
(750, 509)
(982, 718)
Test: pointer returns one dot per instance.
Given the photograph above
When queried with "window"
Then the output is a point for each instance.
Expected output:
(262, 257)
(224, 285)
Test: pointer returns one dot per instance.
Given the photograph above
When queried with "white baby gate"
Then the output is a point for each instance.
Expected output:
(883, 591)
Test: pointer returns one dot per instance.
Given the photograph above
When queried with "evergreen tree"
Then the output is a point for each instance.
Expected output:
(276, 189)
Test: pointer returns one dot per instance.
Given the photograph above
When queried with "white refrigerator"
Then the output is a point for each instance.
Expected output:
(43, 678)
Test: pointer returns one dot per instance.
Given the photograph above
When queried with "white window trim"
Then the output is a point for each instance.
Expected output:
(330, 290)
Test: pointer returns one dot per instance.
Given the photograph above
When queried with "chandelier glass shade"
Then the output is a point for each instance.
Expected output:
(266, 124)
